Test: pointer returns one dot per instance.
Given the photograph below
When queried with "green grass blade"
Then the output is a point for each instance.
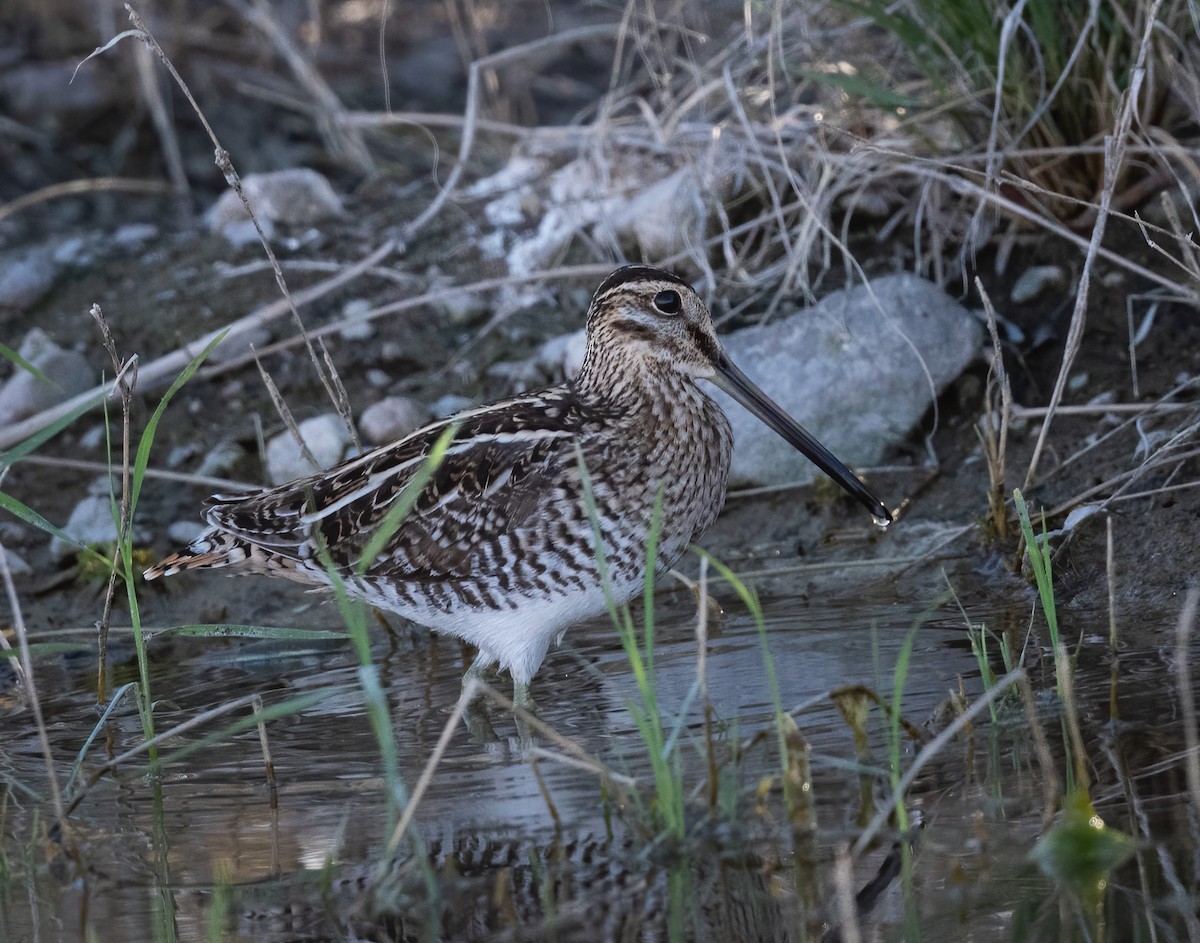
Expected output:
(408, 497)
(30, 516)
(9, 354)
(226, 630)
(142, 459)
(35, 441)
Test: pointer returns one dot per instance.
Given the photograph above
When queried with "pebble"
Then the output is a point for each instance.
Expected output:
(67, 371)
(16, 564)
(184, 532)
(449, 404)
(562, 356)
(355, 326)
(134, 235)
(25, 276)
(392, 418)
(327, 439)
(91, 523)
(1035, 280)
(297, 196)
(220, 458)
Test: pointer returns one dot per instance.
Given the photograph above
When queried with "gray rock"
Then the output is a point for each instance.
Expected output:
(355, 326)
(222, 457)
(91, 523)
(67, 371)
(327, 439)
(449, 404)
(562, 356)
(851, 371)
(26, 276)
(393, 417)
(16, 564)
(294, 197)
(134, 235)
(184, 532)
(1035, 280)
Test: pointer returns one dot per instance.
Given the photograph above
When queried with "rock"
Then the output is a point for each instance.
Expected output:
(294, 197)
(134, 235)
(1036, 279)
(236, 346)
(392, 418)
(26, 276)
(665, 218)
(853, 375)
(16, 564)
(68, 373)
(449, 404)
(184, 532)
(562, 356)
(355, 326)
(220, 458)
(327, 439)
(91, 523)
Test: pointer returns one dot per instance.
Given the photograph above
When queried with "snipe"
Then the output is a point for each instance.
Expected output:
(499, 547)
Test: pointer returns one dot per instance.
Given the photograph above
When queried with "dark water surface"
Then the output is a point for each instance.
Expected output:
(157, 853)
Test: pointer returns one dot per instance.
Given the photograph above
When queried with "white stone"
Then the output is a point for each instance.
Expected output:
(25, 276)
(1036, 279)
(562, 356)
(91, 523)
(392, 418)
(449, 404)
(67, 371)
(858, 371)
(326, 437)
(16, 564)
(184, 532)
(295, 197)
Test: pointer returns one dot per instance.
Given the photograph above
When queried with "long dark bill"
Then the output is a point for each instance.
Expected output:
(730, 379)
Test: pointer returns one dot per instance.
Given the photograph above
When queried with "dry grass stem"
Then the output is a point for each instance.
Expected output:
(265, 744)
(161, 474)
(161, 371)
(285, 413)
(992, 429)
(1051, 785)
(843, 896)
(78, 188)
(30, 690)
(478, 67)
(1110, 571)
(225, 164)
(152, 96)
(1114, 158)
(1103, 409)
(126, 373)
(158, 739)
(342, 141)
(1187, 698)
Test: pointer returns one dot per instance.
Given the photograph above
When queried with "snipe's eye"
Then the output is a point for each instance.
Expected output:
(668, 302)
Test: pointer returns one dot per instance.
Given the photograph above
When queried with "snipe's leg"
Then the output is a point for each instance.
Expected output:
(483, 661)
(522, 698)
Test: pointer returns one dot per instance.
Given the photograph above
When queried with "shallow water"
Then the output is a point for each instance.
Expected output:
(153, 851)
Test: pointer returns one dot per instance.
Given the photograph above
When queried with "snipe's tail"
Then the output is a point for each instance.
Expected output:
(212, 549)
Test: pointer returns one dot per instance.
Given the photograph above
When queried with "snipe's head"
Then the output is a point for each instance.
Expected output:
(644, 322)
(643, 318)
